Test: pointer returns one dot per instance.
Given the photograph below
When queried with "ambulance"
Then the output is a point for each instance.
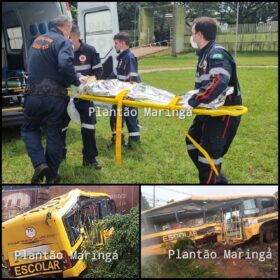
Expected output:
(22, 22)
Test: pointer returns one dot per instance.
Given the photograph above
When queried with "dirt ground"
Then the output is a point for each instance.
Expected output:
(244, 268)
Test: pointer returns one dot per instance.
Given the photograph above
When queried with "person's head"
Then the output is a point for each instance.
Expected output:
(64, 24)
(121, 41)
(75, 36)
(204, 29)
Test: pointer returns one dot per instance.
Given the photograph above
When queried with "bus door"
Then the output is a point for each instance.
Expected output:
(231, 225)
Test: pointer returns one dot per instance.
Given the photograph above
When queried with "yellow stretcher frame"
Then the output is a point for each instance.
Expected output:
(235, 111)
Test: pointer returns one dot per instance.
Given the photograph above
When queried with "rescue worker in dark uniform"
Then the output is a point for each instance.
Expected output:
(216, 70)
(126, 71)
(51, 71)
(87, 62)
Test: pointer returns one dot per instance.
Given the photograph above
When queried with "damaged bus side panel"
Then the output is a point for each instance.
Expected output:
(228, 220)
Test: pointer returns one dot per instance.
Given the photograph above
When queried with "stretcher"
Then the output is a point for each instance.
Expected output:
(173, 105)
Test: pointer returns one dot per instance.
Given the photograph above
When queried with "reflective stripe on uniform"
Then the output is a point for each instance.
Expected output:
(133, 74)
(134, 133)
(82, 67)
(219, 70)
(191, 147)
(99, 65)
(204, 77)
(122, 77)
(215, 161)
(88, 126)
(64, 128)
(219, 47)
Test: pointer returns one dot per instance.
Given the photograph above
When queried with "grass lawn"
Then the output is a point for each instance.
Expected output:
(162, 156)
(190, 60)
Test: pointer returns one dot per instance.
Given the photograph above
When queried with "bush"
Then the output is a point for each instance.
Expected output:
(163, 267)
(124, 240)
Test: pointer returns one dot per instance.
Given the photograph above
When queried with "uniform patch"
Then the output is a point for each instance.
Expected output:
(82, 58)
(217, 56)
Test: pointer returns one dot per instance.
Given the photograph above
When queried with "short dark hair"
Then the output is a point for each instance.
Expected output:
(207, 26)
(122, 36)
(75, 28)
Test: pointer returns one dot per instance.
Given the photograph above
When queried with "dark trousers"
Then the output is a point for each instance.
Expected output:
(215, 135)
(130, 117)
(44, 110)
(88, 122)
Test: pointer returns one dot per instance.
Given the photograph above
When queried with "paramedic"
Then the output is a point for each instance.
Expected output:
(88, 63)
(216, 69)
(51, 71)
(126, 71)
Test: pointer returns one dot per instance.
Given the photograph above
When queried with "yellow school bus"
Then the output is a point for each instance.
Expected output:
(228, 220)
(49, 239)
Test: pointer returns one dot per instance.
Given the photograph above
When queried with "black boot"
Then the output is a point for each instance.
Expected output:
(93, 163)
(53, 181)
(132, 144)
(41, 171)
(222, 179)
(113, 142)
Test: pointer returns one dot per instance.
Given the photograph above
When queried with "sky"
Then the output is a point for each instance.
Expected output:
(166, 193)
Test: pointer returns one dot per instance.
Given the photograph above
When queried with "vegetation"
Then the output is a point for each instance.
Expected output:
(164, 267)
(124, 241)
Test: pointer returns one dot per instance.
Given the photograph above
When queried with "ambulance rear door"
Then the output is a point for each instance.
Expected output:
(98, 23)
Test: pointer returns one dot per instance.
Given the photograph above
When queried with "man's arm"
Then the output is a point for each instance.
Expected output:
(97, 68)
(220, 72)
(65, 63)
(131, 70)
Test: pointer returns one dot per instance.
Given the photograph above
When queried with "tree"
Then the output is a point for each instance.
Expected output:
(247, 11)
(199, 9)
(225, 12)
(144, 203)
(74, 13)
(128, 13)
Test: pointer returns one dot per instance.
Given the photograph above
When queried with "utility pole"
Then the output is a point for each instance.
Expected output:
(236, 33)
(154, 196)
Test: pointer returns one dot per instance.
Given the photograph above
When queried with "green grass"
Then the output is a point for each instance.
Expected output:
(162, 156)
(190, 60)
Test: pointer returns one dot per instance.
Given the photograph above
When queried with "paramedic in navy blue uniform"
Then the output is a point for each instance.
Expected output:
(87, 62)
(127, 71)
(215, 71)
(51, 71)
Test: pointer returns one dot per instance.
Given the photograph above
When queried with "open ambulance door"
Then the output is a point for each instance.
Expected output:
(98, 23)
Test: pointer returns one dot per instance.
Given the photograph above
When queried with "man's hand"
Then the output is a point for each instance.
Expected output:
(187, 107)
(83, 79)
(81, 88)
